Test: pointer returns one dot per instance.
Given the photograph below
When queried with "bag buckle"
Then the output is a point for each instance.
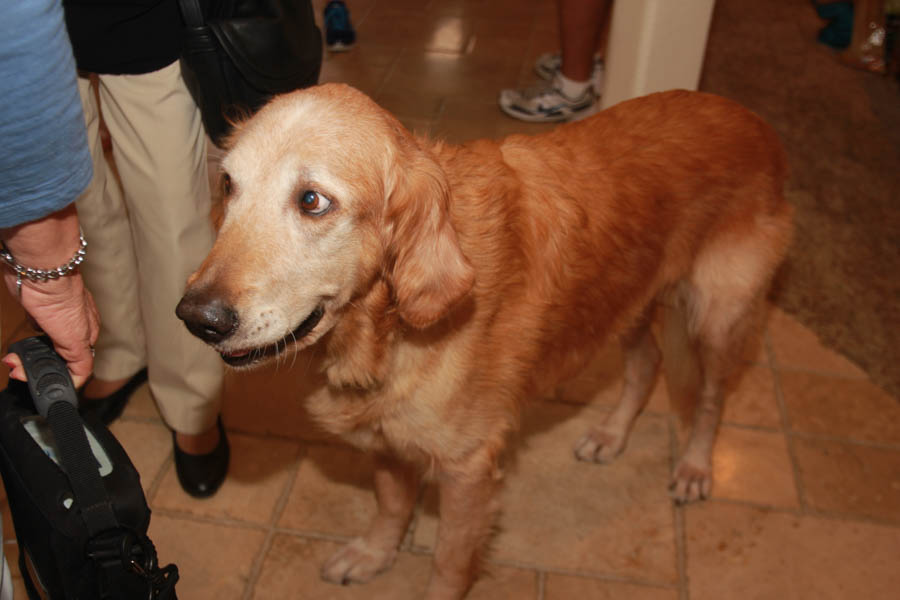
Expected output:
(119, 550)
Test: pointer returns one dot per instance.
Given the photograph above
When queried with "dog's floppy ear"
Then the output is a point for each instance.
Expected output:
(429, 273)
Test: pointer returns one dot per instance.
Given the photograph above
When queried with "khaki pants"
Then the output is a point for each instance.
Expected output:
(146, 237)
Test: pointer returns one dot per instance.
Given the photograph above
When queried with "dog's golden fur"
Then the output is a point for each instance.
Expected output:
(457, 282)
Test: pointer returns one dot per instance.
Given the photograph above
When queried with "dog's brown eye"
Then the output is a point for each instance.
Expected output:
(226, 184)
(314, 203)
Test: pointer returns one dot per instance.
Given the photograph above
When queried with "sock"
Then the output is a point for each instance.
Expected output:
(569, 88)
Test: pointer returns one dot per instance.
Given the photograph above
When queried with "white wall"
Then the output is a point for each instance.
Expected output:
(655, 45)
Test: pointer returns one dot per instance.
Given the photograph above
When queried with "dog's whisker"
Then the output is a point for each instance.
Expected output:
(294, 357)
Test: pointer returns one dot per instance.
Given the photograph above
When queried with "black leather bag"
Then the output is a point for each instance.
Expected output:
(76, 499)
(242, 52)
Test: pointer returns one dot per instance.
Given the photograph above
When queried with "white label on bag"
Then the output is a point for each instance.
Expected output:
(40, 432)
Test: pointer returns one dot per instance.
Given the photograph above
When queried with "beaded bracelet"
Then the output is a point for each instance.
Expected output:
(41, 275)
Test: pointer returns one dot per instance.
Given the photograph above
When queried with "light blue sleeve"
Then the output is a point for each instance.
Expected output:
(44, 159)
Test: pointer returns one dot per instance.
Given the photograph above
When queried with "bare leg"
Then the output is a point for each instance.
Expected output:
(642, 357)
(581, 24)
(469, 506)
(603, 36)
(396, 488)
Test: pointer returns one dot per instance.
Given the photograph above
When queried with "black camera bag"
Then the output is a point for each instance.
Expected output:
(76, 500)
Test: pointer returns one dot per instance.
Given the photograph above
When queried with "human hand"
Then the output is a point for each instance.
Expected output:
(63, 308)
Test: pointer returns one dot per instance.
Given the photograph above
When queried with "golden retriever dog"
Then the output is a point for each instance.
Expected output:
(441, 287)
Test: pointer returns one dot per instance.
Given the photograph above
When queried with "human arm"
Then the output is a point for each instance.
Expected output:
(44, 166)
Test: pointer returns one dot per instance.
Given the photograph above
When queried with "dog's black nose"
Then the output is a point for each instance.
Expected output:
(207, 317)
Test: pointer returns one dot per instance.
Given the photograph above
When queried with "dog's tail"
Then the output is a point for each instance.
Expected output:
(681, 363)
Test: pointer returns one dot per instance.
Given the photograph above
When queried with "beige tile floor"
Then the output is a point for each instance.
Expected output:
(806, 502)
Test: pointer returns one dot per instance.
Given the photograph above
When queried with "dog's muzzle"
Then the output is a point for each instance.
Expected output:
(214, 321)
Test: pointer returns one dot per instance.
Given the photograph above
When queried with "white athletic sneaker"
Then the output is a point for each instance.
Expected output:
(548, 64)
(546, 104)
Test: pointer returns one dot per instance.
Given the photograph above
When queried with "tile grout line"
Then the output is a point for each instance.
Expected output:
(277, 511)
(749, 427)
(327, 537)
(809, 512)
(678, 519)
(772, 508)
(823, 373)
(785, 423)
(544, 571)
(681, 554)
(803, 435)
(540, 584)
(205, 520)
(857, 518)
(360, 21)
(389, 72)
(156, 483)
(256, 567)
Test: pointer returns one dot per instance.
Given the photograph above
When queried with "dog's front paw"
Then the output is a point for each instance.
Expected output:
(690, 482)
(357, 562)
(600, 445)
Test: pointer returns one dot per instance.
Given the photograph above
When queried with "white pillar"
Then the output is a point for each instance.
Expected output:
(655, 45)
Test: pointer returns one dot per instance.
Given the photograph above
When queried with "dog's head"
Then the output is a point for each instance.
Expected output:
(324, 194)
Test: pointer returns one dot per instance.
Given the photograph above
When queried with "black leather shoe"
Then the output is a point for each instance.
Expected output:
(108, 409)
(201, 475)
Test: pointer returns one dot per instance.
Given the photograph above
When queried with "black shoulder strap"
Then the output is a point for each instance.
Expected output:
(55, 399)
(190, 11)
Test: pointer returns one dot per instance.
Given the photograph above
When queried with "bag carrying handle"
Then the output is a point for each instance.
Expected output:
(55, 399)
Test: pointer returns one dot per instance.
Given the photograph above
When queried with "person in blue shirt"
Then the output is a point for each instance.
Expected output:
(44, 166)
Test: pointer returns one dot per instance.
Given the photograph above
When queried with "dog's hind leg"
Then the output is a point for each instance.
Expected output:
(716, 345)
(642, 357)
(396, 489)
(724, 298)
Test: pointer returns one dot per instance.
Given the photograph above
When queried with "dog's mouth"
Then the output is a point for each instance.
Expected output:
(248, 356)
